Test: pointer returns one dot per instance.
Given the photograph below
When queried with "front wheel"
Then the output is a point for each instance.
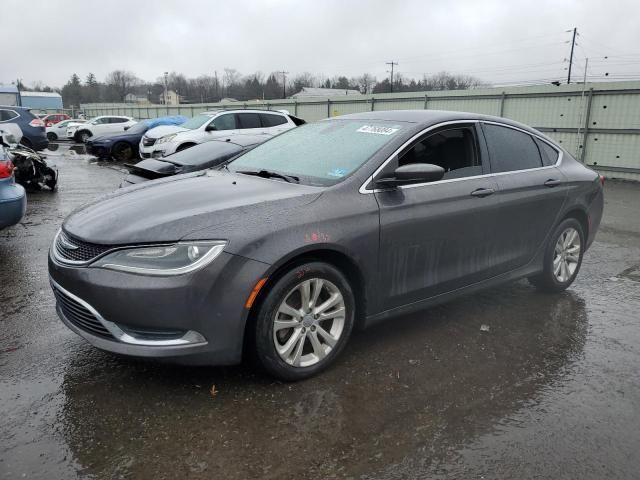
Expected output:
(562, 259)
(83, 136)
(52, 137)
(304, 321)
(122, 151)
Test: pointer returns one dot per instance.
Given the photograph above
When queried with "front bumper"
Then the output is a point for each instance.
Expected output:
(99, 150)
(196, 318)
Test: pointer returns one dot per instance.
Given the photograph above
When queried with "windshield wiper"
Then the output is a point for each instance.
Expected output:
(270, 174)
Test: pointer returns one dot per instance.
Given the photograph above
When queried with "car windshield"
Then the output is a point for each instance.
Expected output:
(196, 122)
(138, 128)
(322, 153)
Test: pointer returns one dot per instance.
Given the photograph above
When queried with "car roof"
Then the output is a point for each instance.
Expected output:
(425, 118)
(242, 110)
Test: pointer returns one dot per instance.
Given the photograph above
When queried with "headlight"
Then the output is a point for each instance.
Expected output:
(166, 138)
(176, 259)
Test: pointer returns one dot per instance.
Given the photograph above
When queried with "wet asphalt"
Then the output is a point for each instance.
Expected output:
(507, 383)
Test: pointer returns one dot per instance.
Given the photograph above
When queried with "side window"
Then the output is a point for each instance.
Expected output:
(225, 122)
(118, 120)
(249, 120)
(7, 115)
(511, 149)
(453, 149)
(549, 154)
(271, 120)
(100, 121)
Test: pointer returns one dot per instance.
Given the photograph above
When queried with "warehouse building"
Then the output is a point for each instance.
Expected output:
(41, 100)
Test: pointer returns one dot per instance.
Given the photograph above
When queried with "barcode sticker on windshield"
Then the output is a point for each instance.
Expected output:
(377, 130)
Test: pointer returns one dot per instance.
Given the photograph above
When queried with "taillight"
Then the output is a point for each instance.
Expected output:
(36, 122)
(6, 169)
(602, 178)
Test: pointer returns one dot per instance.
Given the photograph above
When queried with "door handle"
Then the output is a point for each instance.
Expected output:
(552, 182)
(482, 192)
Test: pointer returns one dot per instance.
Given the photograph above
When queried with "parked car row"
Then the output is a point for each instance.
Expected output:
(123, 146)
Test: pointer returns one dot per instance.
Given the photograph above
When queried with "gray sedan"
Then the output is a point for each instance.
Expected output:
(330, 226)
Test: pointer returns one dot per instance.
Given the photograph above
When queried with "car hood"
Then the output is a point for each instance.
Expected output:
(131, 137)
(163, 130)
(170, 209)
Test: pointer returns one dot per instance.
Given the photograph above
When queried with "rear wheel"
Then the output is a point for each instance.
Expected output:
(563, 257)
(304, 321)
(52, 137)
(122, 151)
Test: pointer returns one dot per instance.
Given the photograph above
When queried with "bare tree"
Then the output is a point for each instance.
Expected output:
(119, 82)
(365, 82)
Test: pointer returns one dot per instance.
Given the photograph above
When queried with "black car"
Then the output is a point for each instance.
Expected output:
(123, 146)
(199, 157)
(331, 225)
(33, 130)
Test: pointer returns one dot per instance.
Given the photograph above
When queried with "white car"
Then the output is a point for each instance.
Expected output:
(99, 126)
(59, 130)
(211, 125)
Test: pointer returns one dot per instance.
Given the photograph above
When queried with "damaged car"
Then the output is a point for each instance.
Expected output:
(331, 226)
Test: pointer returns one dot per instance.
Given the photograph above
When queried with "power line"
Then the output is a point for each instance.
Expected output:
(284, 83)
(392, 63)
(573, 44)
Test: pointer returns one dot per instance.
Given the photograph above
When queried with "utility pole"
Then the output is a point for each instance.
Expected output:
(217, 93)
(573, 44)
(284, 83)
(166, 84)
(392, 63)
(19, 87)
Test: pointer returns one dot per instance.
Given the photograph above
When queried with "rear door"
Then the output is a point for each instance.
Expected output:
(530, 193)
(438, 236)
(249, 122)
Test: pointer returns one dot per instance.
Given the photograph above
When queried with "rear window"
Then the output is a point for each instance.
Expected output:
(7, 115)
(549, 154)
(271, 120)
(511, 149)
(204, 152)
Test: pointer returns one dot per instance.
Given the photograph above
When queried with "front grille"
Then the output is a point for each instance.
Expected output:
(148, 142)
(79, 315)
(69, 248)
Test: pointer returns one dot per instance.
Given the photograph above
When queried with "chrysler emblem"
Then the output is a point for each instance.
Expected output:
(66, 245)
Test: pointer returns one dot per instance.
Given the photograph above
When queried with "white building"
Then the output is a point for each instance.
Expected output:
(172, 98)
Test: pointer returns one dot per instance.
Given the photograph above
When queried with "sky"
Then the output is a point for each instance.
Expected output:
(500, 42)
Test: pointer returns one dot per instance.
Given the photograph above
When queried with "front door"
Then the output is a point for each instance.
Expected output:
(437, 237)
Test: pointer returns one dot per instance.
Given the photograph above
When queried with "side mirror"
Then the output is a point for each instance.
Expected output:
(126, 128)
(211, 127)
(412, 173)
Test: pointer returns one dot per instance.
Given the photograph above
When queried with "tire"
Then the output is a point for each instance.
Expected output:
(122, 151)
(51, 180)
(561, 265)
(288, 360)
(52, 137)
(83, 136)
(184, 146)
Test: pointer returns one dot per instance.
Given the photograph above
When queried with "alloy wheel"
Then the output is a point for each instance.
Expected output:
(309, 322)
(566, 255)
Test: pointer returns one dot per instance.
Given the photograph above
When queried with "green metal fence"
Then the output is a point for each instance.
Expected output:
(599, 123)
